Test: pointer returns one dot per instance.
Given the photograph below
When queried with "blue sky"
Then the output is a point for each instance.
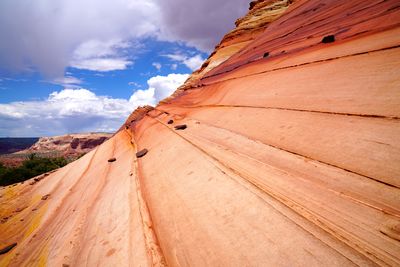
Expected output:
(77, 66)
(154, 59)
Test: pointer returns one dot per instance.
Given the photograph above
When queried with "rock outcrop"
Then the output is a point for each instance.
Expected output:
(260, 15)
(70, 146)
(290, 158)
(67, 145)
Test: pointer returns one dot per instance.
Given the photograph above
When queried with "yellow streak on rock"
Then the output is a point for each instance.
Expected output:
(9, 192)
(7, 259)
(43, 256)
(36, 220)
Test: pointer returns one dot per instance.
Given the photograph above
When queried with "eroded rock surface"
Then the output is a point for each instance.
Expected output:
(260, 15)
(288, 160)
(67, 145)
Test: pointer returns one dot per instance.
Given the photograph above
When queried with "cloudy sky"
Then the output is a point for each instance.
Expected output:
(84, 65)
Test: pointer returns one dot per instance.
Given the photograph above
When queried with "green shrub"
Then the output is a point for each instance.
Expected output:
(31, 167)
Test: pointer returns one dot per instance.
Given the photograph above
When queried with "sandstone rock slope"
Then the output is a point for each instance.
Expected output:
(290, 157)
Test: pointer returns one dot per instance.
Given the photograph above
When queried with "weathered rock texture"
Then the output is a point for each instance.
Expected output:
(66, 145)
(261, 14)
(289, 160)
(70, 146)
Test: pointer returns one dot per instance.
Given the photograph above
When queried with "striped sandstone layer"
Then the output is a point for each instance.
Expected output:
(288, 159)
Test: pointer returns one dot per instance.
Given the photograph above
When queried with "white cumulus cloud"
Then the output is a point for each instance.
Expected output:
(192, 62)
(102, 64)
(101, 56)
(157, 65)
(48, 35)
(80, 110)
(66, 111)
(159, 87)
(67, 81)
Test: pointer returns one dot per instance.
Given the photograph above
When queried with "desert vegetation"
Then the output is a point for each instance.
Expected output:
(32, 166)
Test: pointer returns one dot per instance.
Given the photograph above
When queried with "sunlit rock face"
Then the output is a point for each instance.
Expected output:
(290, 157)
(67, 145)
(261, 14)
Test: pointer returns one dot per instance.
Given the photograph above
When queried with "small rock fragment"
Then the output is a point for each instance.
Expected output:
(180, 127)
(252, 4)
(141, 153)
(170, 122)
(7, 248)
(328, 39)
(37, 179)
(20, 209)
(205, 64)
(45, 197)
(112, 159)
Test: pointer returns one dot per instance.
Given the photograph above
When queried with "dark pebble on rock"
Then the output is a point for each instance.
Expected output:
(7, 248)
(141, 153)
(170, 122)
(112, 159)
(180, 127)
(328, 39)
(45, 197)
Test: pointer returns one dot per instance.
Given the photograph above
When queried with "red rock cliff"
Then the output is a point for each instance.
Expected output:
(290, 157)
(67, 145)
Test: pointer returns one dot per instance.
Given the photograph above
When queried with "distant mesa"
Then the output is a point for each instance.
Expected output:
(69, 146)
(10, 145)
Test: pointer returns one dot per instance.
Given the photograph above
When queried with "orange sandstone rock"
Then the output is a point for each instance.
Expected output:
(261, 14)
(289, 160)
